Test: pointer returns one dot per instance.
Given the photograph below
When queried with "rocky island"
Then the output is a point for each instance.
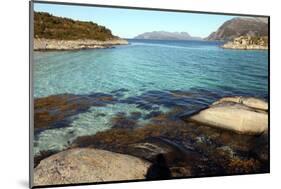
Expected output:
(57, 33)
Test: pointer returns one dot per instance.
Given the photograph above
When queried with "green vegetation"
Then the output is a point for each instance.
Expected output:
(52, 27)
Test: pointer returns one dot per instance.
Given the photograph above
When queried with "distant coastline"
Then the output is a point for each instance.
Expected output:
(165, 35)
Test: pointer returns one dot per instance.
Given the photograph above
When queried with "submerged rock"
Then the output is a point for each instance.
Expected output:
(54, 111)
(153, 146)
(121, 121)
(170, 159)
(173, 141)
(84, 165)
(238, 114)
(183, 148)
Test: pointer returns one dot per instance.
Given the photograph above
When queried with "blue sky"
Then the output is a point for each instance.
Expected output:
(128, 23)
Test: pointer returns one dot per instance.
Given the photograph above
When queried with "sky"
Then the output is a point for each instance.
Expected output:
(128, 23)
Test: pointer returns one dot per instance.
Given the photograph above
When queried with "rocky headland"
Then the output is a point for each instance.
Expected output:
(244, 33)
(247, 43)
(58, 33)
(240, 26)
(230, 136)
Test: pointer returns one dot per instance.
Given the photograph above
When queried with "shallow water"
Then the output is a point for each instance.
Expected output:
(145, 77)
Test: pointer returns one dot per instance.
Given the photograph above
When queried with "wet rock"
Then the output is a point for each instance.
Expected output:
(42, 155)
(135, 115)
(226, 151)
(101, 115)
(88, 165)
(144, 106)
(159, 169)
(171, 158)
(121, 121)
(153, 146)
(167, 158)
(152, 114)
(188, 148)
(261, 148)
(235, 163)
(180, 171)
(235, 116)
(238, 166)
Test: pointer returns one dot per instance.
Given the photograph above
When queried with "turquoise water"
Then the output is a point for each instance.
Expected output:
(146, 65)
(145, 68)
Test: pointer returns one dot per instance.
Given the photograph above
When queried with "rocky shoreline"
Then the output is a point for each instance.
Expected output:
(247, 43)
(204, 143)
(54, 44)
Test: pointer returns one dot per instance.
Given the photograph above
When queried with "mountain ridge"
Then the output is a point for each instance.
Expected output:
(165, 35)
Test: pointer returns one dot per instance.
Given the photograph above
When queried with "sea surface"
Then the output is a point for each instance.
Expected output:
(148, 77)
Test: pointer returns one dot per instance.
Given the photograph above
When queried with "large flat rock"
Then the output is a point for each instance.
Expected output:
(84, 165)
(238, 114)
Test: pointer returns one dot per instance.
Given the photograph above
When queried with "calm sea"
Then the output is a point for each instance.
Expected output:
(144, 68)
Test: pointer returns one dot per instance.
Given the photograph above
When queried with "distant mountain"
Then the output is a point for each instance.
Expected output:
(164, 35)
(239, 26)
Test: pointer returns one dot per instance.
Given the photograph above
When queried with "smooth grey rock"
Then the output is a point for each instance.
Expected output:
(84, 165)
(238, 114)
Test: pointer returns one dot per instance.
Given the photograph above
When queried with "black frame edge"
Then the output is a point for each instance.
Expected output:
(31, 107)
